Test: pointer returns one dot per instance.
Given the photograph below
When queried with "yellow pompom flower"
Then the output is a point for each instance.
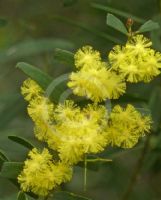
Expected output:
(86, 57)
(151, 66)
(97, 84)
(66, 111)
(31, 89)
(70, 150)
(126, 126)
(117, 56)
(136, 61)
(138, 45)
(41, 109)
(40, 174)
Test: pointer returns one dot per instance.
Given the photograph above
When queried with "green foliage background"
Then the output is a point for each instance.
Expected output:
(33, 31)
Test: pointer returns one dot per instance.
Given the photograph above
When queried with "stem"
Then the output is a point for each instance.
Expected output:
(85, 173)
(99, 159)
(137, 170)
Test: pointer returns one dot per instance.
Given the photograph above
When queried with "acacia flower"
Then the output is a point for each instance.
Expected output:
(126, 126)
(41, 109)
(87, 57)
(97, 83)
(41, 174)
(136, 61)
(30, 89)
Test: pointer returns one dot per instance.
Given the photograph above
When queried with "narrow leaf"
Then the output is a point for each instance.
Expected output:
(64, 56)
(33, 47)
(68, 196)
(126, 15)
(36, 74)
(115, 23)
(1, 161)
(21, 196)
(149, 26)
(11, 170)
(3, 155)
(22, 141)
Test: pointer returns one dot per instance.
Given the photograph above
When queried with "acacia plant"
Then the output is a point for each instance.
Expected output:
(82, 126)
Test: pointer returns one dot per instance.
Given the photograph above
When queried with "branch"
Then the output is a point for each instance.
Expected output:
(137, 169)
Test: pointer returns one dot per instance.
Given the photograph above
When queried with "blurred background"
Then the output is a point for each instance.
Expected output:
(30, 32)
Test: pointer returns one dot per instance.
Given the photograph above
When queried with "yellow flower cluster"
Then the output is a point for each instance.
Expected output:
(126, 126)
(73, 131)
(40, 174)
(94, 79)
(136, 61)
(81, 130)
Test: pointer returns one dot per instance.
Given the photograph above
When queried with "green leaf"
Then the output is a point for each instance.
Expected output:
(68, 196)
(3, 158)
(11, 170)
(115, 23)
(154, 106)
(89, 29)
(21, 196)
(33, 47)
(36, 74)
(3, 155)
(3, 22)
(149, 26)
(1, 161)
(64, 56)
(22, 141)
(69, 2)
(117, 12)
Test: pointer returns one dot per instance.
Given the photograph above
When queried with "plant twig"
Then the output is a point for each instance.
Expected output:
(99, 160)
(85, 173)
(137, 170)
